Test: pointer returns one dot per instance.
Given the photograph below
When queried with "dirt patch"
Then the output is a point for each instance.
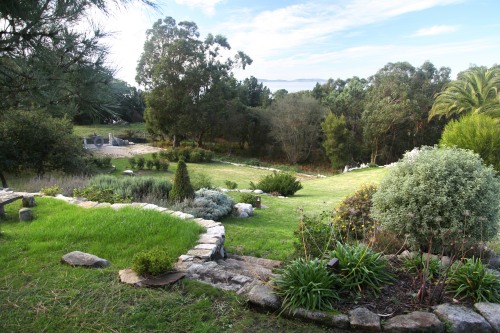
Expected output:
(124, 151)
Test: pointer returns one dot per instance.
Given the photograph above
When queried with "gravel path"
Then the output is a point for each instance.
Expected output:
(124, 151)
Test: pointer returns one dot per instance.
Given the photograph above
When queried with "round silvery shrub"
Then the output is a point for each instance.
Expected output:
(439, 197)
(209, 204)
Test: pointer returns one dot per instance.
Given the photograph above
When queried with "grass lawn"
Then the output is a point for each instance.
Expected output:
(39, 294)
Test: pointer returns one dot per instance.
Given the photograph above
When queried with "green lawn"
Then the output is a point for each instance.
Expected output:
(40, 294)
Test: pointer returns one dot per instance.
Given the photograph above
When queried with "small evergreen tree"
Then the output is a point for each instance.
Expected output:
(182, 188)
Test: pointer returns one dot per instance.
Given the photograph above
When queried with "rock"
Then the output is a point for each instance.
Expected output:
(263, 295)
(323, 318)
(494, 261)
(491, 312)
(364, 319)
(243, 210)
(128, 276)
(77, 258)
(414, 322)
(29, 201)
(258, 192)
(162, 280)
(25, 214)
(462, 319)
(128, 173)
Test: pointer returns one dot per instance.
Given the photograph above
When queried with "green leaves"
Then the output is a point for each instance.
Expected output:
(472, 279)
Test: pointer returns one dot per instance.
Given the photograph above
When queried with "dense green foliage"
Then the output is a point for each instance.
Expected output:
(360, 268)
(188, 154)
(182, 188)
(471, 279)
(439, 197)
(307, 284)
(282, 183)
(152, 262)
(230, 185)
(201, 180)
(248, 198)
(352, 215)
(417, 264)
(475, 91)
(477, 132)
(338, 142)
(34, 140)
(134, 188)
(94, 193)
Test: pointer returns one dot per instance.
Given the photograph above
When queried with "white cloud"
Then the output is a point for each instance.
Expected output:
(208, 6)
(435, 30)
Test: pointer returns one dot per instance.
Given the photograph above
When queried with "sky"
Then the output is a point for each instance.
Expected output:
(319, 39)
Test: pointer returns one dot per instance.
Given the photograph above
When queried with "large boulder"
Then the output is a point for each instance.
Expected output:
(243, 210)
(25, 214)
(77, 258)
(462, 319)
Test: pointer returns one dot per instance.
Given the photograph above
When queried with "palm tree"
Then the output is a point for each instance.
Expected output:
(476, 91)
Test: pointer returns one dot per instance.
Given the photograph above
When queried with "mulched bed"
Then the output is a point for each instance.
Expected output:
(395, 299)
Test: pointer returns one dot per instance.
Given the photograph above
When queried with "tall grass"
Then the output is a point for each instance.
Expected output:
(137, 188)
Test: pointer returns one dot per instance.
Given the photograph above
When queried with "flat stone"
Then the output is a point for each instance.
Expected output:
(161, 209)
(207, 223)
(211, 247)
(245, 191)
(128, 276)
(138, 204)
(417, 321)
(490, 312)
(263, 296)
(103, 205)
(219, 230)
(78, 258)
(162, 280)
(117, 206)
(323, 318)
(209, 239)
(241, 279)
(87, 204)
(185, 257)
(25, 215)
(202, 254)
(462, 319)
(363, 319)
(150, 206)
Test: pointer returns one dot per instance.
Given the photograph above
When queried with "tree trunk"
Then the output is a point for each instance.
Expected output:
(175, 143)
(4, 181)
(200, 140)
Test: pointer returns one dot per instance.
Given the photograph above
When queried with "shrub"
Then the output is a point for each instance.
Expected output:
(51, 191)
(154, 156)
(283, 183)
(201, 180)
(230, 185)
(477, 132)
(314, 236)
(164, 165)
(248, 198)
(157, 164)
(416, 264)
(307, 284)
(352, 215)
(182, 188)
(136, 188)
(361, 268)
(132, 162)
(208, 204)
(472, 279)
(93, 193)
(140, 163)
(444, 195)
(192, 155)
(153, 262)
(149, 164)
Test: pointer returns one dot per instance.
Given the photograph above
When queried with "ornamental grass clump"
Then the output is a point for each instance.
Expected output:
(471, 279)
(443, 199)
(307, 284)
(361, 269)
(352, 215)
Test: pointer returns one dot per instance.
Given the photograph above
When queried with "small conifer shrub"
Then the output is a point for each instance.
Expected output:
(182, 188)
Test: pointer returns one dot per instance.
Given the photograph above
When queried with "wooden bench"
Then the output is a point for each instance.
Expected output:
(7, 198)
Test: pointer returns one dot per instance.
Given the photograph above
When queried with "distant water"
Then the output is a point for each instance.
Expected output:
(290, 86)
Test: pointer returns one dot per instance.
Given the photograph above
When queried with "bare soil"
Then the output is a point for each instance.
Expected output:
(124, 151)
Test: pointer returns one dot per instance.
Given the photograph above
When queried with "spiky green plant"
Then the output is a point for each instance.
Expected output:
(182, 188)
(307, 284)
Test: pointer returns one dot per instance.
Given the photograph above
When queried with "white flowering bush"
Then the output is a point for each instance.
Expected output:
(208, 204)
(439, 197)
